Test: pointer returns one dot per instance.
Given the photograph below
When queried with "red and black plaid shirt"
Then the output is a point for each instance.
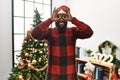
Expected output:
(61, 48)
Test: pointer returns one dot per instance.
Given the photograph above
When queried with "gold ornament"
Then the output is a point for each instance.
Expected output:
(41, 51)
(40, 59)
(20, 77)
(34, 61)
(45, 44)
(29, 65)
(26, 54)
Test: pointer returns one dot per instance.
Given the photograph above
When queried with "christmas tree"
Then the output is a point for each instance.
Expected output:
(32, 61)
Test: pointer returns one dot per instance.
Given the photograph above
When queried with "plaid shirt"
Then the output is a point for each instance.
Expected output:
(61, 48)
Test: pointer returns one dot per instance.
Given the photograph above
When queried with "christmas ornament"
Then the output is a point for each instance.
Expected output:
(28, 79)
(41, 51)
(45, 50)
(26, 54)
(45, 44)
(34, 61)
(35, 51)
(41, 44)
(21, 65)
(34, 20)
(20, 77)
(30, 39)
(35, 40)
(40, 59)
(25, 41)
(29, 63)
(115, 77)
(22, 58)
(41, 76)
(26, 38)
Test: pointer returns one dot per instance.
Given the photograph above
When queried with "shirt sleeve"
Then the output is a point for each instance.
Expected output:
(81, 30)
(41, 31)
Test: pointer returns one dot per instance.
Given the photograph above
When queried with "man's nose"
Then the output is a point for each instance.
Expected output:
(61, 19)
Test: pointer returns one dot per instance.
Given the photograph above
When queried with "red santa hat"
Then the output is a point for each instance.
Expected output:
(62, 9)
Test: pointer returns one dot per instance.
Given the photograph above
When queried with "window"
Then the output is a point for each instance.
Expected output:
(22, 17)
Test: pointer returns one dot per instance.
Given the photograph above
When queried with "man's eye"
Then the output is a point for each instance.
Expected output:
(58, 16)
(64, 16)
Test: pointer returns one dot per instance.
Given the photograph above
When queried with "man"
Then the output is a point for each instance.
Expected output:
(61, 43)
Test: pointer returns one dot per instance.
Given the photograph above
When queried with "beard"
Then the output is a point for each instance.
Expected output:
(61, 28)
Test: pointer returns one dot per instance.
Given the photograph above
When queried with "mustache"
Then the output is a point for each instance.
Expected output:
(58, 26)
(61, 22)
(57, 23)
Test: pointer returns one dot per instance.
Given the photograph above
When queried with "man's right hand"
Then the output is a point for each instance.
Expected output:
(54, 15)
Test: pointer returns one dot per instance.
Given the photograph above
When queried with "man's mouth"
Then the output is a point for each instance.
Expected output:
(61, 23)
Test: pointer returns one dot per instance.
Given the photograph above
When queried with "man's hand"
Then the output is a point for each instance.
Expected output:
(54, 15)
(68, 15)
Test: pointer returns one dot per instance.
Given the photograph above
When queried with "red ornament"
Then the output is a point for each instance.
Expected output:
(22, 58)
(115, 77)
(86, 77)
(26, 38)
(21, 65)
(28, 79)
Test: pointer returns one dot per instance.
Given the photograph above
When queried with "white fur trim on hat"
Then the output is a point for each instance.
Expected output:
(61, 12)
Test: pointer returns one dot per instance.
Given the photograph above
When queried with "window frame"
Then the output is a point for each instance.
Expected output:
(24, 17)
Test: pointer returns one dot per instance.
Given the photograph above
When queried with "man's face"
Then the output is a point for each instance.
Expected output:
(61, 22)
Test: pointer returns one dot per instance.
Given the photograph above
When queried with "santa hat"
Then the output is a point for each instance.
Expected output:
(62, 9)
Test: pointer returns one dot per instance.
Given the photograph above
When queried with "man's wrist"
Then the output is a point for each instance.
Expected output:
(72, 19)
(51, 19)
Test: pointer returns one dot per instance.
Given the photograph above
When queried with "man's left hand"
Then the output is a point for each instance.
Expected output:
(68, 15)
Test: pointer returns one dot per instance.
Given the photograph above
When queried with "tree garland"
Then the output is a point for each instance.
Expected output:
(113, 53)
(41, 69)
(38, 69)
